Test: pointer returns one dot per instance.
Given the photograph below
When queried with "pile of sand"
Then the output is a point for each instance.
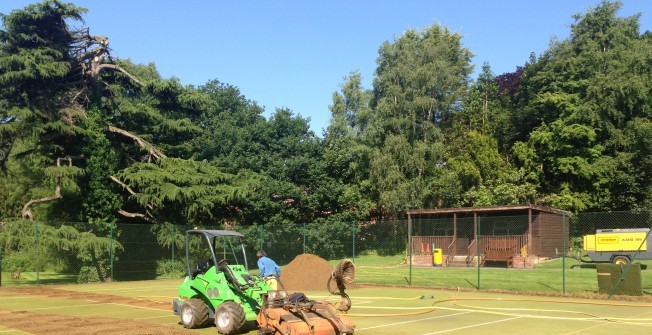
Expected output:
(306, 272)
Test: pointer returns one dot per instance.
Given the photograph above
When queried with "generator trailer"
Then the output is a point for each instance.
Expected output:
(618, 246)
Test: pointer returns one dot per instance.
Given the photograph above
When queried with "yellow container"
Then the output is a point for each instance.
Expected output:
(272, 283)
(437, 257)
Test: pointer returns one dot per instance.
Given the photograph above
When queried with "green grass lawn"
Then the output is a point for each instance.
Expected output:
(32, 278)
(553, 277)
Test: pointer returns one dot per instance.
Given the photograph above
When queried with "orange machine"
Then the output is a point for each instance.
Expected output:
(295, 314)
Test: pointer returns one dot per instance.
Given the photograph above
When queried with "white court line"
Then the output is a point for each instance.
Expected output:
(140, 307)
(44, 308)
(158, 317)
(411, 321)
(401, 308)
(82, 305)
(123, 289)
(472, 326)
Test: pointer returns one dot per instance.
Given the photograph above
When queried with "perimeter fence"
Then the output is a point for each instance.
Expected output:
(586, 254)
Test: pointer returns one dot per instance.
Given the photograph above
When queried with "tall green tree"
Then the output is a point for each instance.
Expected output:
(585, 93)
(39, 120)
(421, 80)
(347, 149)
(71, 109)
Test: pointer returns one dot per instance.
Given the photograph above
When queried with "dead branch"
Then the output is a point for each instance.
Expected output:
(141, 142)
(92, 54)
(26, 212)
(125, 186)
(136, 215)
(123, 71)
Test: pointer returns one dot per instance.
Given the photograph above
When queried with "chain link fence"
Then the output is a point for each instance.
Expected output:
(586, 254)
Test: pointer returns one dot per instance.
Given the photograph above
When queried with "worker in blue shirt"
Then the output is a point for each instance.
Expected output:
(269, 270)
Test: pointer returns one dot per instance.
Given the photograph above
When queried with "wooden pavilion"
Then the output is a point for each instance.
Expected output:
(518, 235)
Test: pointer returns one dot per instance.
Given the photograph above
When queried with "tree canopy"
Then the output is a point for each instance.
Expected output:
(89, 138)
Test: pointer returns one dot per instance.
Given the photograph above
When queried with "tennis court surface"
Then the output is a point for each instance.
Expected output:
(145, 308)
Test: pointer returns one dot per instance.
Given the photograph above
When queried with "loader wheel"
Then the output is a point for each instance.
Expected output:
(194, 314)
(229, 318)
(620, 260)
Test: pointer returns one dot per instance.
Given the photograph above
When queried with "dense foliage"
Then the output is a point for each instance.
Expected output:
(89, 138)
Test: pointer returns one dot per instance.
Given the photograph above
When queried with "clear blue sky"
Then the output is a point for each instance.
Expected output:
(295, 54)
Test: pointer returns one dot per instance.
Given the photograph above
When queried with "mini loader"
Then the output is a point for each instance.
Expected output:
(219, 289)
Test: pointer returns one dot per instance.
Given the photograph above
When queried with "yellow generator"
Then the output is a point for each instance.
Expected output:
(618, 246)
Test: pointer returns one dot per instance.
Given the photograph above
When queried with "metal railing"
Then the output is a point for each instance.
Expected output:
(451, 250)
(472, 252)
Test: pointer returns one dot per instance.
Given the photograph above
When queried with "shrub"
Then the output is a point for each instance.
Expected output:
(166, 268)
(88, 274)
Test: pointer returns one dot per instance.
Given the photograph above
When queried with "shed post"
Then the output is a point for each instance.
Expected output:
(529, 232)
(476, 238)
(455, 233)
(475, 226)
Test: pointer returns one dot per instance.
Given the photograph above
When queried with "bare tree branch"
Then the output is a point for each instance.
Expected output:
(26, 212)
(92, 54)
(119, 68)
(142, 143)
(125, 186)
(136, 215)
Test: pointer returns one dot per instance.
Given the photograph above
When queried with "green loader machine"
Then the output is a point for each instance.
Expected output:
(219, 289)
(218, 285)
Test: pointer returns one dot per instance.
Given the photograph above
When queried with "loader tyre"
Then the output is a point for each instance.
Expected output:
(229, 318)
(194, 314)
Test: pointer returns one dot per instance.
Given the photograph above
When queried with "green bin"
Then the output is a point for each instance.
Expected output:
(609, 276)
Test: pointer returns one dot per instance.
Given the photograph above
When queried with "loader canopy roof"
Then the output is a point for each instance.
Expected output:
(206, 248)
(213, 233)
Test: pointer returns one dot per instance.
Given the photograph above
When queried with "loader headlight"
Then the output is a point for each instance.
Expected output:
(213, 292)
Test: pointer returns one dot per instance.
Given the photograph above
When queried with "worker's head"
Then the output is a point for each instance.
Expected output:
(260, 253)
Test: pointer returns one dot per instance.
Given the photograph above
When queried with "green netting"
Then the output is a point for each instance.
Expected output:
(542, 253)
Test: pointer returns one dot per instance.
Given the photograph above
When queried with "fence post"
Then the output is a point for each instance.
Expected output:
(174, 240)
(478, 248)
(563, 253)
(111, 247)
(37, 258)
(2, 251)
(353, 239)
(409, 253)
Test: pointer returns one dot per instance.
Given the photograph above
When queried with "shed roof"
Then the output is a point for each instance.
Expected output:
(489, 209)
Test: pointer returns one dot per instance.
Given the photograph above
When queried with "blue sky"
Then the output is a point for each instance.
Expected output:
(295, 54)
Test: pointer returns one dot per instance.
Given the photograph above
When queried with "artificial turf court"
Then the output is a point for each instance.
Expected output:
(144, 307)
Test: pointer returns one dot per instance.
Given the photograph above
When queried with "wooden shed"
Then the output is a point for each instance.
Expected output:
(511, 235)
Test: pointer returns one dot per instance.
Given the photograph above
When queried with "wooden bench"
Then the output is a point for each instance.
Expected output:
(500, 250)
